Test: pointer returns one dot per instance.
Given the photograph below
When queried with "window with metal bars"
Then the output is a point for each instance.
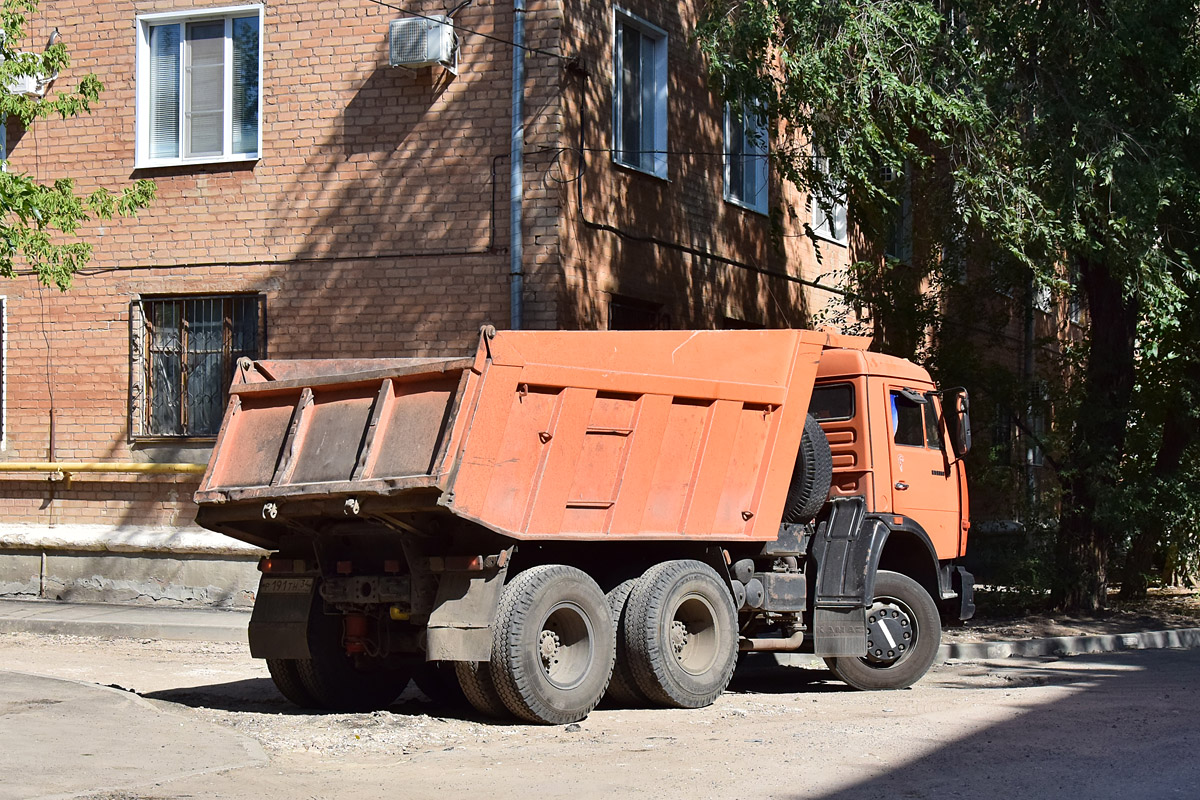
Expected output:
(189, 349)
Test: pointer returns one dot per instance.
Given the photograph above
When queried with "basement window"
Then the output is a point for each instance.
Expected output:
(185, 350)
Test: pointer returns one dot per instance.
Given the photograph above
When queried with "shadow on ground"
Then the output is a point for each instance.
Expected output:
(1124, 726)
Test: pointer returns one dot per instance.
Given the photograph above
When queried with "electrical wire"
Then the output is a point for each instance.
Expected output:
(458, 27)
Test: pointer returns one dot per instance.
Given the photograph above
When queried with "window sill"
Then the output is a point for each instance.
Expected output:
(824, 237)
(168, 163)
(733, 201)
(640, 171)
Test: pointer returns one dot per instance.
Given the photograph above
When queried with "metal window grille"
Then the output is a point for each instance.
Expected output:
(190, 348)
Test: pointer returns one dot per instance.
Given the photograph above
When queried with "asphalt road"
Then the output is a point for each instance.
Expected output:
(205, 722)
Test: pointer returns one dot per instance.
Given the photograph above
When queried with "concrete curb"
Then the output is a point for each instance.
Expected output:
(134, 622)
(1057, 646)
(229, 625)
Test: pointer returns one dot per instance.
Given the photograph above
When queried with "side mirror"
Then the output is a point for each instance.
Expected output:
(956, 406)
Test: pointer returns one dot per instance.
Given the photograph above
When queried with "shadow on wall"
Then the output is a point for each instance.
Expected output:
(391, 225)
(667, 241)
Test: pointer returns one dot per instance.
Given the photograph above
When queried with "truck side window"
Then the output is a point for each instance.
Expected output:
(933, 438)
(832, 402)
(908, 422)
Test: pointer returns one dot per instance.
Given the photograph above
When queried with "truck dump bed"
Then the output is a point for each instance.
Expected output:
(541, 435)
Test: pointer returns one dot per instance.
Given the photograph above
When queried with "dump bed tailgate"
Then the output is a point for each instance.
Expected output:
(312, 429)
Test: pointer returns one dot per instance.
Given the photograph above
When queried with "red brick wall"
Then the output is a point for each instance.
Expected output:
(376, 220)
(372, 223)
(687, 209)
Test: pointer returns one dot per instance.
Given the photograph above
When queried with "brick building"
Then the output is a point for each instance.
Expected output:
(314, 201)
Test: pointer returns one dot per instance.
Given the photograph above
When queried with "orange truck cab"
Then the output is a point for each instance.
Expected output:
(564, 516)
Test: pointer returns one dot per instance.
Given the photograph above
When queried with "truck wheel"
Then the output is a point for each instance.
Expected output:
(553, 645)
(812, 475)
(438, 680)
(622, 689)
(475, 680)
(286, 674)
(903, 635)
(335, 680)
(681, 634)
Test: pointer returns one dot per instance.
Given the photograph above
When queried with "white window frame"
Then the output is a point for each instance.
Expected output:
(142, 158)
(821, 223)
(755, 155)
(652, 162)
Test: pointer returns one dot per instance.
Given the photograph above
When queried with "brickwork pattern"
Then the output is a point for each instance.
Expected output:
(375, 222)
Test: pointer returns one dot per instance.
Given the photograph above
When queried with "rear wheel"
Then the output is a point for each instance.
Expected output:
(553, 645)
(438, 680)
(622, 689)
(681, 634)
(285, 672)
(475, 680)
(336, 681)
(903, 635)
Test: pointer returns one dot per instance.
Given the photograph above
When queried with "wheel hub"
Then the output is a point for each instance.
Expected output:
(548, 647)
(679, 637)
(890, 633)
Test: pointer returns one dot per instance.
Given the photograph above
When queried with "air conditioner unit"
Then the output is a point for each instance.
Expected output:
(28, 85)
(423, 42)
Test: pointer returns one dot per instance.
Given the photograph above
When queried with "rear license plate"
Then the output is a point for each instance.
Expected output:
(286, 586)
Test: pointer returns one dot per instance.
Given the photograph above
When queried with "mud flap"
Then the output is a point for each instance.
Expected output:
(465, 607)
(279, 623)
(846, 550)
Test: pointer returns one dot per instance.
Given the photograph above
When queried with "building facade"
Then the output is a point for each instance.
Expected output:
(314, 201)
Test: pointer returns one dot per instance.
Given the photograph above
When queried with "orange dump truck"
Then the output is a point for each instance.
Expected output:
(565, 515)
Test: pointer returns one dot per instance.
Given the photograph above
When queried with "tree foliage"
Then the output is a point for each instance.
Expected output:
(40, 222)
(1059, 137)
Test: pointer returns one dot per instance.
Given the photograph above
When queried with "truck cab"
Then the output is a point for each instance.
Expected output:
(897, 442)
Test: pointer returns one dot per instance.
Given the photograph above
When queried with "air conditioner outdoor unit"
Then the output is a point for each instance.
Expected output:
(423, 42)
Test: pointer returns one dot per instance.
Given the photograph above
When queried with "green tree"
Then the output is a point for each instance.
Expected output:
(40, 222)
(1056, 134)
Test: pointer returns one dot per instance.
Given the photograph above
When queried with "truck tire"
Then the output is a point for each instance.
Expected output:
(622, 689)
(438, 680)
(552, 645)
(475, 680)
(285, 672)
(812, 475)
(333, 678)
(904, 632)
(681, 634)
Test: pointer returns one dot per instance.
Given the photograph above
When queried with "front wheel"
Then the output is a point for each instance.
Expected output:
(903, 635)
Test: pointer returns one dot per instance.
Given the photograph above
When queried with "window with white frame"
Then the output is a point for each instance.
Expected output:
(746, 148)
(640, 95)
(828, 213)
(199, 80)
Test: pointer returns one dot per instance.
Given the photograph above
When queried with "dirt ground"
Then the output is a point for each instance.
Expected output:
(1164, 609)
(1009, 728)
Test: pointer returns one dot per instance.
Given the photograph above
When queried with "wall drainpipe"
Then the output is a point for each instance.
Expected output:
(517, 167)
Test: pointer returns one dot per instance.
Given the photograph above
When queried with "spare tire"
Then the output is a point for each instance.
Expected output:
(812, 476)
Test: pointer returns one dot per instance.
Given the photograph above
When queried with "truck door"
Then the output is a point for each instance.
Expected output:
(924, 486)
